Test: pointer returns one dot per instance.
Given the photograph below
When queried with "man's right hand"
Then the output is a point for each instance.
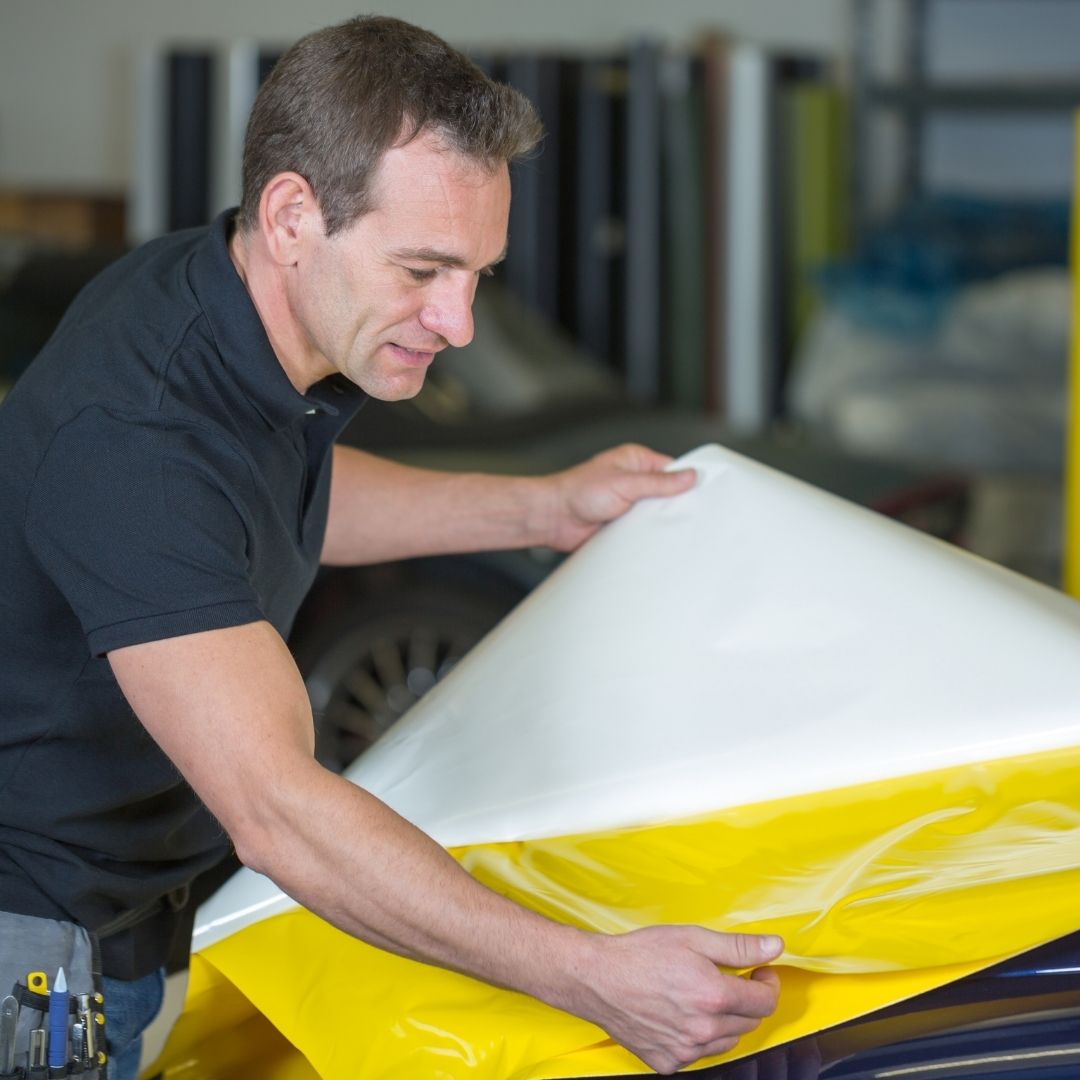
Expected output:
(659, 992)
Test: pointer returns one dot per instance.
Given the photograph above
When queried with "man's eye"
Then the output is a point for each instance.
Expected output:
(420, 275)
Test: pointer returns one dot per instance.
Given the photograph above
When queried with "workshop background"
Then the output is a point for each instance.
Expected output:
(847, 217)
(833, 234)
(830, 233)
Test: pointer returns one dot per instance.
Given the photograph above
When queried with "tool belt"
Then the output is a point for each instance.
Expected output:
(48, 1030)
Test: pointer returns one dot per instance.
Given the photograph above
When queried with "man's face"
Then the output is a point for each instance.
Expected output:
(380, 298)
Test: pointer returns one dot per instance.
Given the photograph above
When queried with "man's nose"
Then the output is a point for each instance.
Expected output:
(448, 310)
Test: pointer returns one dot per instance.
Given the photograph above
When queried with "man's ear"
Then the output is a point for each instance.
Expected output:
(288, 214)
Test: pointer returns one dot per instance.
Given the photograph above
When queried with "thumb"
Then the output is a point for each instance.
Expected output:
(681, 479)
(739, 950)
(644, 485)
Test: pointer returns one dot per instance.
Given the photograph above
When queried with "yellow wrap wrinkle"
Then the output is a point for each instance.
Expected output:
(881, 891)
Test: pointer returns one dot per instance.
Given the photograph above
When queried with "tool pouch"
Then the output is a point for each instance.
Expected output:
(27, 945)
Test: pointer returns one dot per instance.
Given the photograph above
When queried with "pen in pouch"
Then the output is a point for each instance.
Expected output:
(58, 1022)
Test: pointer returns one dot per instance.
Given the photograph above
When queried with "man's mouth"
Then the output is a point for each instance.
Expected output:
(414, 357)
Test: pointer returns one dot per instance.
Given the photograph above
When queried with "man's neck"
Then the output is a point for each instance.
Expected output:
(265, 285)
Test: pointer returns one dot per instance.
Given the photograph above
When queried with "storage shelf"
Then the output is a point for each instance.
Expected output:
(914, 95)
(1005, 97)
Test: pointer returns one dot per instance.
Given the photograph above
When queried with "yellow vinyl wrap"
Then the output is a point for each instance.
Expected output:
(881, 891)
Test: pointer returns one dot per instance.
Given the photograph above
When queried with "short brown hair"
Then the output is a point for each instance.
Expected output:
(341, 97)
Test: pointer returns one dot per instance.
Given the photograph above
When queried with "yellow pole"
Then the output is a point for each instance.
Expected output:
(1071, 576)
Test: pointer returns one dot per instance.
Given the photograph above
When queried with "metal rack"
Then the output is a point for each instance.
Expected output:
(913, 96)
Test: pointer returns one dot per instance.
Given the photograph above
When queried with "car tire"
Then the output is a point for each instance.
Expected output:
(371, 642)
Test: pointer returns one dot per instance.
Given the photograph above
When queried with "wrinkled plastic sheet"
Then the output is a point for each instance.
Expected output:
(754, 707)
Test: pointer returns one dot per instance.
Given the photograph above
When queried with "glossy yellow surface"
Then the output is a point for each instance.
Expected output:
(881, 891)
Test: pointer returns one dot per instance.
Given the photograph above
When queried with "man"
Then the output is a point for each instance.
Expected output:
(169, 484)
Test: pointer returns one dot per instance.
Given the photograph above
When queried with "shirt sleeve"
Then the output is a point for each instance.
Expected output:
(141, 525)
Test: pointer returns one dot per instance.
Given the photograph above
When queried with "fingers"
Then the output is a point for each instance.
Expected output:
(723, 1043)
(636, 458)
(725, 1037)
(660, 993)
(736, 950)
(603, 489)
(732, 1006)
(755, 998)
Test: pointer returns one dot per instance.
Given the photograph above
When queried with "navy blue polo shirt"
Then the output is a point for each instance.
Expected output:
(159, 476)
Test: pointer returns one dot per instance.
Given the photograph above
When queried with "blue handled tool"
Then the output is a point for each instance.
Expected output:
(58, 1022)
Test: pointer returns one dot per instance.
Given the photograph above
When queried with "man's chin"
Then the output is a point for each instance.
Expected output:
(400, 386)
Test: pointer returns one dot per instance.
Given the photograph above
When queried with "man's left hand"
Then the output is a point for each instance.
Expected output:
(605, 487)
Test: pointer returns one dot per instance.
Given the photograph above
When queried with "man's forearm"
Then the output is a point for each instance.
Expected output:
(242, 734)
(345, 855)
(381, 510)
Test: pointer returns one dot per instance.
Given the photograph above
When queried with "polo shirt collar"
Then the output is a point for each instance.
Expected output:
(244, 346)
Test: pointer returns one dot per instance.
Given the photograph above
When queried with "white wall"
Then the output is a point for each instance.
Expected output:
(66, 65)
